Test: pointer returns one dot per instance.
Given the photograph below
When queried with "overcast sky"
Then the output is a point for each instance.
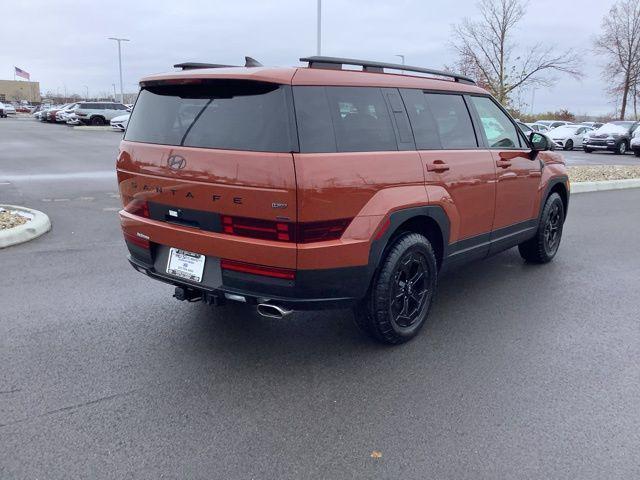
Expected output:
(64, 43)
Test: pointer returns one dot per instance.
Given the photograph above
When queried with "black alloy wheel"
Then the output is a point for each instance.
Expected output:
(410, 290)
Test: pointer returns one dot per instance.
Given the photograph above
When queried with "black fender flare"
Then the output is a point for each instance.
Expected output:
(396, 219)
(563, 179)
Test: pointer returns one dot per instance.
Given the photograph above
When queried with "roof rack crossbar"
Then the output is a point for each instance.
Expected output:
(369, 66)
(194, 65)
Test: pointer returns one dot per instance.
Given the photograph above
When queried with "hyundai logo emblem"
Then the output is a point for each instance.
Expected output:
(177, 162)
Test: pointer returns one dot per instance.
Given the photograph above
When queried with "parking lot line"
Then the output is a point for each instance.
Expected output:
(59, 176)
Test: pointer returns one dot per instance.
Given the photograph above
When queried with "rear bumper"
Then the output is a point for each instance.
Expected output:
(311, 289)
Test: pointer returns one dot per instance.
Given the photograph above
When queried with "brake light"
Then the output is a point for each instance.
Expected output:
(256, 228)
(140, 241)
(273, 272)
(284, 231)
(136, 206)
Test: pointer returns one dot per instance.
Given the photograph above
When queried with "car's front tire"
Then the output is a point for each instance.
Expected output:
(402, 291)
(636, 153)
(544, 245)
(587, 150)
(98, 121)
(622, 148)
(568, 145)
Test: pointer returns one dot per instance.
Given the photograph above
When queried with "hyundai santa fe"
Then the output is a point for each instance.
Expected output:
(326, 187)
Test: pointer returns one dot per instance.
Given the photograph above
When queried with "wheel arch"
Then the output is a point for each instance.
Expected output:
(430, 221)
(557, 185)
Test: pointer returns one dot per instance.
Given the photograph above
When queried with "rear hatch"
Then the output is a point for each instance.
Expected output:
(211, 158)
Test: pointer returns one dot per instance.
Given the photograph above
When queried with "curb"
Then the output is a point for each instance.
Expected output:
(105, 128)
(38, 225)
(584, 187)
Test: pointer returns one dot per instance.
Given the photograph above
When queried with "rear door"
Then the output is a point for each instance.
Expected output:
(453, 160)
(518, 175)
(206, 152)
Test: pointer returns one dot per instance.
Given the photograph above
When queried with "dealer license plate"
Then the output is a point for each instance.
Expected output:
(187, 265)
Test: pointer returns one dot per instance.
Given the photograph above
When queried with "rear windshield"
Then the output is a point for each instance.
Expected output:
(223, 114)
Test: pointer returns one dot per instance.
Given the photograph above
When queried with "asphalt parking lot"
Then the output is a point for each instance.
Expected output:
(522, 371)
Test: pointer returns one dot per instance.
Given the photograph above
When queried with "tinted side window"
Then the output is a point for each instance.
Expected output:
(498, 128)
(315, 130)
(440, 120)
(361, 119)
(425, 129)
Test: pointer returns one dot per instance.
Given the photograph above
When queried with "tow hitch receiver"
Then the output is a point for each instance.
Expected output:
(187, 294)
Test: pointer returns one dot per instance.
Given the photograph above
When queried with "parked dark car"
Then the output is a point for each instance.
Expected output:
(613, 136)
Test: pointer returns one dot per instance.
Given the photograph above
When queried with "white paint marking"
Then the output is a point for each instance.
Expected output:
(102, 174)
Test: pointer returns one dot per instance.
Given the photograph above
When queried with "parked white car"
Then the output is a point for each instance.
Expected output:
(551, 124)
(538, 127)
(120, 123)
(569, 137)
(63, 115)
(73, 119)
(99, 113)
(635, 143)
(8, 109)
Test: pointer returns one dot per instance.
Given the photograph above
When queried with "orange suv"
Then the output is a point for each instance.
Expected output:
(318, 187)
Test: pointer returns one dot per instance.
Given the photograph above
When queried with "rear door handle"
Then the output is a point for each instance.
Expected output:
(503, 163)
(437, 166)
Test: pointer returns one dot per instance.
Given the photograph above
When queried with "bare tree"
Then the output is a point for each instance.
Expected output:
(620, 43)
(486, 50)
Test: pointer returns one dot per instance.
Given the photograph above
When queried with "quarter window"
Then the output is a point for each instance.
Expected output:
(343, 119)
(498, 128)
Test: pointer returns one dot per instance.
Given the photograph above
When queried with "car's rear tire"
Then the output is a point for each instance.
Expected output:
(622, 148)
(97, 121)
(568, 145)
(402, 291)
(544, 245)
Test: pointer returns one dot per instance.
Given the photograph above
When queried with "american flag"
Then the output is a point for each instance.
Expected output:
(22, 73)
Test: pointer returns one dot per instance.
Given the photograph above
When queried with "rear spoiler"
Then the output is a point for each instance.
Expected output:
(248, 62)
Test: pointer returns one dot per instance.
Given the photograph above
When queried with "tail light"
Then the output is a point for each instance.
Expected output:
(256, 228)
(136, 206)
(284, 231)
(274, 272)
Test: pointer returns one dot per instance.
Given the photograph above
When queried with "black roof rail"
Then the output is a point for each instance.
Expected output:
(378, 67)
(194, 65)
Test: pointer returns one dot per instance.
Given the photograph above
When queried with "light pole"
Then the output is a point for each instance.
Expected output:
(120, 40)
(114, 91)
(86, 90)
(319, 28)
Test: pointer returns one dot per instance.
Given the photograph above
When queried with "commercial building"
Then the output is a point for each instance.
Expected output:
(18, 90)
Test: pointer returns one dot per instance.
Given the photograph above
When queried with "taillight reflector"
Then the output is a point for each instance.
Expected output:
(274, 272)
(136, 240)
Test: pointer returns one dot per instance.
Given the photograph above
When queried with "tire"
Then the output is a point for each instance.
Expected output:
(636, 153)
(544, 245)
(568, 145)
(98, 121)
(622, 148)
(397, 320)
(587, 150)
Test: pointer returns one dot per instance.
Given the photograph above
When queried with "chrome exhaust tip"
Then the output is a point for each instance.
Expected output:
(273, 311)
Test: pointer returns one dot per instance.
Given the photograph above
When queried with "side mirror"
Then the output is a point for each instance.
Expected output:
(539, 142)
